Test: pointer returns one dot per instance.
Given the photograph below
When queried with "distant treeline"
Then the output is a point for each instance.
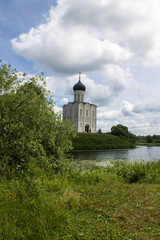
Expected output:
(152, 140)
(101, 141)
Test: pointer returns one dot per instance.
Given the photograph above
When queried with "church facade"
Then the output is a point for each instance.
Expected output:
(84, 114)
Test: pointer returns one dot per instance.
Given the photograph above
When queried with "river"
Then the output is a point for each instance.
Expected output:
(140, 153)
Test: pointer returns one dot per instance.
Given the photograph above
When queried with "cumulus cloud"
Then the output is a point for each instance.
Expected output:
(107, 114)
(149, 107)
(140, 119)
(127, 109)
(102, 93)
(97, 93)
(64, 101)
(107, 37)
(88, 35)
(120, 77)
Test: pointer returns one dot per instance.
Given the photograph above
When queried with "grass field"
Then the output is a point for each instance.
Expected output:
(100, 142)
(82, 202)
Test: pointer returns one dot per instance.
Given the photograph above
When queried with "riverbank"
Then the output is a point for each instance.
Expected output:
(82, 202)
(148, 144)
(139, 153)
(101, 141)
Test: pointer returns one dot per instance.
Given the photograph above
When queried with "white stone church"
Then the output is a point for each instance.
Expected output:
(84, 114)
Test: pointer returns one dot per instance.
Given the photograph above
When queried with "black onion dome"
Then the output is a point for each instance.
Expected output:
(79, 86)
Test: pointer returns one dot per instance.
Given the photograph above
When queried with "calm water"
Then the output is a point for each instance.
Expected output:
(140, 153)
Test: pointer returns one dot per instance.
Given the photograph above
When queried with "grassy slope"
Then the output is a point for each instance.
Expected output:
(83, 203)
(100, 142)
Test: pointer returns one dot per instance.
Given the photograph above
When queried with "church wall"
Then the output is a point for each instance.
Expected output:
(87, 116)
(79, 96)
(81, 117)
(70, 111)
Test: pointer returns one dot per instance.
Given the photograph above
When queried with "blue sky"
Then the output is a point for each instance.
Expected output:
(115, 44)
(16, 17)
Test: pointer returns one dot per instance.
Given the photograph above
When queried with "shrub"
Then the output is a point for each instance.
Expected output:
(30, 129)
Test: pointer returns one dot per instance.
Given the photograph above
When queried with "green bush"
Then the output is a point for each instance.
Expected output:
(30, 129)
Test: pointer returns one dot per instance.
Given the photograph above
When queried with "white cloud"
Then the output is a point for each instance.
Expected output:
(150, 107)
(119, 77)
(88, 35)
(140, 119)
(96, 93)
(100, 92)
(57, 109)
(64, 101)
(127, 109)
(107, 114)
(106, 37)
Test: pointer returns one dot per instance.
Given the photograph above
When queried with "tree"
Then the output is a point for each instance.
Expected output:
(149, 139)
(99, 130)
(122, 131)
(119, 130)
(30, 129)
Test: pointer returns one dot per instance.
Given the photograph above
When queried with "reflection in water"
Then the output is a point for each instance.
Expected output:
(139, 153)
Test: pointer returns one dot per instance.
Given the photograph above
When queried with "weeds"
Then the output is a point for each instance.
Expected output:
(139, 172)
(82, 203)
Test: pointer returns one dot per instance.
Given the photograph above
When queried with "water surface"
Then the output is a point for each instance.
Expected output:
(140, 153)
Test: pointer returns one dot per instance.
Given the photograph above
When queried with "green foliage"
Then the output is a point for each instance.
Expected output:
(30, 129)
(122, 131)
(79, 203)
(149, 139)
(119, 130)
(100, 142)
(139, 172)
(99, 131)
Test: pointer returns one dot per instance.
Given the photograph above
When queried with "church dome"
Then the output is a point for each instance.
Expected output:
(79, 86)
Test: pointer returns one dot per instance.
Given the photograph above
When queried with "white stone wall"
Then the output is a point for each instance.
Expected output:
(70, 111)
(87, 116)
(82, 114)
(79, 96)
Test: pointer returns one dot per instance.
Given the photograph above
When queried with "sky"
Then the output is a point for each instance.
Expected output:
(114, 43)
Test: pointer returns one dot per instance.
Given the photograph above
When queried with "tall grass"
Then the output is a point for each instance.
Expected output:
(45, 205)
(139, 172)
(127, 172)
(29, 209)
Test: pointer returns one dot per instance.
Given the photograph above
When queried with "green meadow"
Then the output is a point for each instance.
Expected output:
(82, 201)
